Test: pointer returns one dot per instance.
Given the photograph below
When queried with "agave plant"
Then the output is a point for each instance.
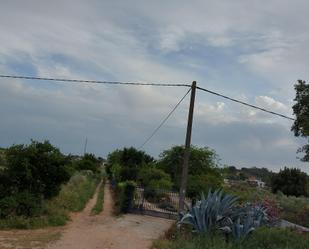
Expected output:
(207, 213)
(245, 221)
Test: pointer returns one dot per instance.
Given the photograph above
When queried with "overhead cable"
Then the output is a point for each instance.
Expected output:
(246, 104)
(94, 81)
(165, 119)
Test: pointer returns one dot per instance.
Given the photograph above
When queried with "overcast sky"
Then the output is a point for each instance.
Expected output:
(251, 50)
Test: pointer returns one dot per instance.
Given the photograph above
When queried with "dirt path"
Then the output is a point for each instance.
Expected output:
(103, 231)
(108, 232)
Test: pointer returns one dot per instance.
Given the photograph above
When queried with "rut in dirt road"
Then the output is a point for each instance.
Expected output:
(105, 231)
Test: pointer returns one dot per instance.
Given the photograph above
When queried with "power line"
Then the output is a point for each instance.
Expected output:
(165, 119)
(94, 81)
(143, 84)
(246, 104)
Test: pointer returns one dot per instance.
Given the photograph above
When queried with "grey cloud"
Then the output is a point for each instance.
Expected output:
(118, 40)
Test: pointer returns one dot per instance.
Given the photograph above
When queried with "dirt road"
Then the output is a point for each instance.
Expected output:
(103, 231)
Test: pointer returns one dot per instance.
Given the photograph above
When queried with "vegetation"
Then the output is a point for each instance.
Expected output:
(218, 222)
(301, 111)
(88, 162)
(130, 164)
(204, 172)
(39, 185)
(219, 211)
(130, 167)
(124, 165)
(262, 238)
(98, 207)
(124, 195)
(232, 173)
(73, 196)
(291, 181)
(290, 208)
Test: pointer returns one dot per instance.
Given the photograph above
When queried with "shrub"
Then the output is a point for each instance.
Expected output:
(131, 161)
(155, 181)
(75, 194)
(53, 212)
(23, 203)
(273, 209)
(39, 168)
(124, 196)
(203, 183)
(115, 171)
(290, 181)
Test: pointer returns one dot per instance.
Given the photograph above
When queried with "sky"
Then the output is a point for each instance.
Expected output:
(254, 51)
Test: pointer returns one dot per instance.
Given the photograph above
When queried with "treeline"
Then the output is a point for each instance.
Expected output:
(130, 167)
(232, 173)
(33, 175)
(289, 181)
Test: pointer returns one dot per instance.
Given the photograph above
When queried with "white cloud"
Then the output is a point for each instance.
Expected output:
(216, 42)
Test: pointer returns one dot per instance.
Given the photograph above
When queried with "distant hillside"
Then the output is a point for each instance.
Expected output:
(233, 173)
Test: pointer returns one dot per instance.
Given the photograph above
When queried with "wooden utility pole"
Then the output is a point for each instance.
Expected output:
(185, 166)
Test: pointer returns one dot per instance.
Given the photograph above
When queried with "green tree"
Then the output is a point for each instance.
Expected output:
(202, 161)
(88, 162)
(38, 168)
(290, 181)
(204, 172)
(153, 177)
(301, 111)
(198, 184)
(131, 161)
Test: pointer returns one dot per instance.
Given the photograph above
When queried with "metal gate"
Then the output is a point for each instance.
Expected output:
(156, 202)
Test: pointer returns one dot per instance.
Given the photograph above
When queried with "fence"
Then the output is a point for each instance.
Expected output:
(156, 202)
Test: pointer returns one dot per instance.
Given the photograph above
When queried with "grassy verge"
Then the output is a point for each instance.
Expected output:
(263, 238)
(72, 197)
(98, 207)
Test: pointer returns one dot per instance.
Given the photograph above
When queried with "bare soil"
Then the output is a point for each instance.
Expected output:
(103, 231)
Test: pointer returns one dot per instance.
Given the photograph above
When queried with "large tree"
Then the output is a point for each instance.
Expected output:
(301, 111)
(203, 168)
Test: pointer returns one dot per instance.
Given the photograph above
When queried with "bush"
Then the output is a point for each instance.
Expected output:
(54, 212)
(38, 168)
(124, 196)
(290, 181)
(88, 162)
(115, 171)
(75, 194)
(23, 203)
(198, 184)
(130, 160)
(155, 181)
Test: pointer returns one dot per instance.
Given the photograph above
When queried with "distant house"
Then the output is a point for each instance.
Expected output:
(252, 181)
